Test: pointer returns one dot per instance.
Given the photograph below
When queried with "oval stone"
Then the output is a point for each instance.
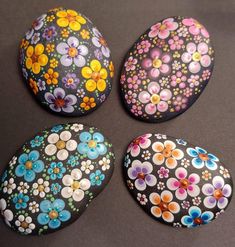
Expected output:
(175, 182)
(66, 63)
(167, 69)
(53, 177)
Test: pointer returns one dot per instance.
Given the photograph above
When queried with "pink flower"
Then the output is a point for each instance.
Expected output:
(206, 75)
(175, 43)
(157, 63)
(143, 46)
(123, 79)
(196, 56)
(136, 110)
(163, 172)
(142, 74)
(130, 63)
(193, 81)
(140, 142)
(133, 82)
(183, 184)
(178, 79)
(195, 27)
(162, 29)
(154, 99)
(188, 92)
(180, 103)
(130, 97)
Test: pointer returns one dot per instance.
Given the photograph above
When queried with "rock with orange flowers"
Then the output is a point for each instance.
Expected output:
(167, 69)
(53, 177)
(176, 183)
(66, 62)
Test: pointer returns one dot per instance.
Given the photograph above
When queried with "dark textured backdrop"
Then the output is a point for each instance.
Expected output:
(114, 219)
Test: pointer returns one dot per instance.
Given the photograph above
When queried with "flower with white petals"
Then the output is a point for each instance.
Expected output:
(77, 127)
(34, 207)
(9, 186)
(105, 164)
(86, 166)
(23, 187)
(75, 185)
(41, 188)
(25, 224)
(60, 144)
(6, 213)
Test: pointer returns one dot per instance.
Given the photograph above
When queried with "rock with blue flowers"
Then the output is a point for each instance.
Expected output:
(66, 63)
(53, 177)
(175, 182)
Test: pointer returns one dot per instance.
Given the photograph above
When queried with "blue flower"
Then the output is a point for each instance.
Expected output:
(201, 158)
(20, 201)
(127, 160)
(56, 170)
(97, 178)
(29, 164)
(181, 142)
(57, 128)
(73, 160)
(196, 217)
(55, 188)
(53, 213)
(37, 141)
(91, 145)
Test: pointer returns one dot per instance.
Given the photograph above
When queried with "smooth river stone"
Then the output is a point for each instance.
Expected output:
(175, 182)
(53, 177)
(66, 63)
(167, 69)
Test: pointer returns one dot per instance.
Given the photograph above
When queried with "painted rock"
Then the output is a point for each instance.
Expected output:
(53, 177)
(66, 62)
(176, 183)
(167, 69)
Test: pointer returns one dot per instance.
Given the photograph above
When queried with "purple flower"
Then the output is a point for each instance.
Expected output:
(49, 33)
(163, 172)
(98, 54)
(41, 85)
(70, 81)
(141, 173)
(58, 101)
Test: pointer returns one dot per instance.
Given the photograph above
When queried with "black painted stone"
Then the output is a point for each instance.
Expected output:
(175, 182)
(66, 63)
(167, 69)
(53, 177)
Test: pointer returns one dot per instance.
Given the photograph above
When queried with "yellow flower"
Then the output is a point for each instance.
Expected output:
(35, 58)
(50, 18)
(51, 77)
(65, 33)
(24, 43)
(53, 63)
(33, 85)
(70, 18)
(88, 103)
(96, 76)
(85, 34)
(50, 48)
(111, 68)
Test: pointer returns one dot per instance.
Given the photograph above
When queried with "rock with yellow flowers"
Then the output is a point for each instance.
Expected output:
(66, 63)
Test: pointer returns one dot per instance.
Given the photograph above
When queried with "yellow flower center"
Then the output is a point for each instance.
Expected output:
(166, 152)
(60, 144)
(41, 188)
(92, 144)
(95, 76)
(162, 27)
(73, 52)
(157, 63)
(53, 214)
(24, 224)
(196, 56)
(70, 81)
(28, 165)
(155, 99)
(75, 185)
(56, 170)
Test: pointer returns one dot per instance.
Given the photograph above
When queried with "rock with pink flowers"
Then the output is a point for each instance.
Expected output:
(167, 69)
(175, 182)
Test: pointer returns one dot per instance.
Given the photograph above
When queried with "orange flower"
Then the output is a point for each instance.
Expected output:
(33, 85)
(50, 48)
(85, 34)
(164, 207)
(111, 68)
(88, 103)
(166, 152)
(51, 77)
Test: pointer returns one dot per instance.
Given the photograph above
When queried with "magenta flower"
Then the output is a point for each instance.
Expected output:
(157, 64)
(162, 29)
(163, 172)
(133, 82)
(175, 43)
(183, 184)
(130, 63)
(130, 97)
(178, 79)
(154, 98)
(195, 27)
(143, 46)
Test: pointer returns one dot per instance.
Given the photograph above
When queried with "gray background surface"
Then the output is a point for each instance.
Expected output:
(114, 219)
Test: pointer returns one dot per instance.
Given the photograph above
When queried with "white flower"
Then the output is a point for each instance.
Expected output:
(75, 186)
(160, 136)
(9, 186)
(105, 163)
(224, 172)
(86, 166)
(6, 213)
(161, 186)
(76, 127)
(142, 198)
(146, 155)
(60, 144)
(23, 187)
(13, 161)
(41, 188)
(24, 224)
(34, 207)
(99, 41)
(197, 201)
(72, 52)
(185, 162)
